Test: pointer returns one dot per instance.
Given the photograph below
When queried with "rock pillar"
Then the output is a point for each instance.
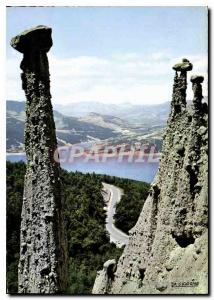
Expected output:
(167, 252)
(178, 104)
(42, 264)
(197, 91)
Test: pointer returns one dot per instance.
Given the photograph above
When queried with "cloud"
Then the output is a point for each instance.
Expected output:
(121, 78)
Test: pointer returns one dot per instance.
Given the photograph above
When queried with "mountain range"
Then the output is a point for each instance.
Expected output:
(134, 114)
(93, 122)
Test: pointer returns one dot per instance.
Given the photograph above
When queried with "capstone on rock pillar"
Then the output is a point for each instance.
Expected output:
(178, 104)
(43, 263)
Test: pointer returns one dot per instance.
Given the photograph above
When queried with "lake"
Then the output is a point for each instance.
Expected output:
(142, 171)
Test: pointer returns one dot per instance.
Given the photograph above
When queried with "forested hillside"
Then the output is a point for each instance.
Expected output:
(88, 242)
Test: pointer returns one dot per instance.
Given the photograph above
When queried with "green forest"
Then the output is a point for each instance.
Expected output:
(88, 241)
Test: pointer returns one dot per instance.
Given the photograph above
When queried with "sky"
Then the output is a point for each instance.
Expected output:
(112, 54)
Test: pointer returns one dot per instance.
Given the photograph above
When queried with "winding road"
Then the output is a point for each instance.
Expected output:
(116, 235)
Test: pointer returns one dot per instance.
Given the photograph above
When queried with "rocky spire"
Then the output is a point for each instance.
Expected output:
(167, 251)
(178, 104)
(42, 264)
(197, 91)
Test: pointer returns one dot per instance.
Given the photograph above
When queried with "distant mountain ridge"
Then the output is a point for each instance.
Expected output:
(126, 124)
(135, 114)
(69, 130)
(13, 105)
(105, 121)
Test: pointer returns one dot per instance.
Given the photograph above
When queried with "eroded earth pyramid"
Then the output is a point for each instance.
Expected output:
(43, 263)
(167, 251)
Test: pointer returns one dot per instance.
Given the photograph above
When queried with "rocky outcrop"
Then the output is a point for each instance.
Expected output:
(105, 277)
(167, 251)
(42, 265)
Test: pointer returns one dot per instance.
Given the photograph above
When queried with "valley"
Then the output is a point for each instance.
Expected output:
(91, 125)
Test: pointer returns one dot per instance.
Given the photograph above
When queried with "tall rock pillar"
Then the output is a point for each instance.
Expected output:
(42, 264)
(197, 90)
(178, 104)
(167, 251)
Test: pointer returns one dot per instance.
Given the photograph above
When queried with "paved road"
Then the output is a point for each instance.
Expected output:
(116, 235)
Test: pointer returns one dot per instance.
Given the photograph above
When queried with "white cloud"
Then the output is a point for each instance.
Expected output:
(122, 78)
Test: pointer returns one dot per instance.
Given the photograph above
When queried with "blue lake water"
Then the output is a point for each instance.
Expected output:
(143, 171)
